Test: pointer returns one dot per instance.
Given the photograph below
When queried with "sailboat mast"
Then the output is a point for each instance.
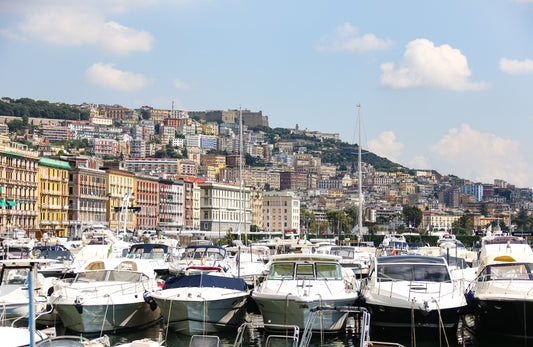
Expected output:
(240, 182)
(360, 181)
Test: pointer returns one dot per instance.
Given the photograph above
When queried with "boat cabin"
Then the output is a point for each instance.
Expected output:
(412, 268)
(296, 269)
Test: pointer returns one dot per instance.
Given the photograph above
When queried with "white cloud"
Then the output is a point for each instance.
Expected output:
(481, 156)
(106, 76)
(516, 67)
(385, 145)
(426, 66)
(347, 39)
(77, 24)
(181, 85)
(420, 162)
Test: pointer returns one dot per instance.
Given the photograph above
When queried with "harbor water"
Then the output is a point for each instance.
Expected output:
(465, 336)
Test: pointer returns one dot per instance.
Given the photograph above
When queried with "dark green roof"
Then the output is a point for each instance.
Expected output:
(12, 154)
(58, 164)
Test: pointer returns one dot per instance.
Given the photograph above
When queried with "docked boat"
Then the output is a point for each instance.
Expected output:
(107, 296)
(158, 256)
(298, 282)
(413, 292)
(62, 256)
(14, 296)
(354, 258)
(202, 303)
(503, 293)
(201, 255)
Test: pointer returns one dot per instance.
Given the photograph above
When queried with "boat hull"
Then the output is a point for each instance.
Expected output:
(385, 317)
(504, 317)
(191, 315)
(289, 310)
(106, 318)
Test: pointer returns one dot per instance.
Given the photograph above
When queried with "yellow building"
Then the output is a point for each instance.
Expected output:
(53, 196)
(121, 193)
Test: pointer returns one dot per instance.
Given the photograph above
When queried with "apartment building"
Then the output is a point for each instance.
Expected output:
(223, 209)
(53, 196)
(171, 205)
(281, 211)
(147, 202)
(121, 193)
(101, 147)
(157, 167)
(87, 190)
(19, 205)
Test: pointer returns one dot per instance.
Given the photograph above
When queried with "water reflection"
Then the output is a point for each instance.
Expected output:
(465, 337)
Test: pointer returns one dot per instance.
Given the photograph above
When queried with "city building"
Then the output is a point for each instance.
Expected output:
(121, 192)
(87, 197)
(147, 202)
(224, 208)
(281, 211)
(53, 197)
(171, 205)
(19, 195)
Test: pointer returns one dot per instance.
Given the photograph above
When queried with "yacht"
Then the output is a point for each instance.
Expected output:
(202, 303)
(412, 291)
(14, 298)
(354, 258)
(158, 256)
(198, 256)
(298, 282)
(503, 292)
(108, 295)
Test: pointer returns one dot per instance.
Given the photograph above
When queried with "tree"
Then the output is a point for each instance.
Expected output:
(463, 225)
(412, 216)
(483, 209)
(15, 125)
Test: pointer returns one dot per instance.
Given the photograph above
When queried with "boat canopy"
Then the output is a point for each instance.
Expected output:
(205, 281)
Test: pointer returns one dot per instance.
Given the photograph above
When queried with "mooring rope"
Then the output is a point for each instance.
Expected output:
(441, 323)
(105, 316)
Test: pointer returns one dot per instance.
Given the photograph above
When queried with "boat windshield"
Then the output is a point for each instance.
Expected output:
(281, 271)
(319, 270)
(212, 253)
(15, 276)
(345, 253)
(108, 275)
(413, 272)
(512, 271)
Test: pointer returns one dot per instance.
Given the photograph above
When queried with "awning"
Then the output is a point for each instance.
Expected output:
(2, 202)
(11, 203)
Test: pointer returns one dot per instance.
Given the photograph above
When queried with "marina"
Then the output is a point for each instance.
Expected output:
(317, 291)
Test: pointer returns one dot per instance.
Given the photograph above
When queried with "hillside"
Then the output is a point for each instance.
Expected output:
(330, 151)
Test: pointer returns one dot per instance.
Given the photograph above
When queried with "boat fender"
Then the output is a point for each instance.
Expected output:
(150, 301)
(50, 291)
(78, 303)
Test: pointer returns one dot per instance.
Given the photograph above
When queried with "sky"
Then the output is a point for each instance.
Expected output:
(442, 85)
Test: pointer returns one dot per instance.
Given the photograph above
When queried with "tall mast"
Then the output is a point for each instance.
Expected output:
(360, 181)
(240, 181)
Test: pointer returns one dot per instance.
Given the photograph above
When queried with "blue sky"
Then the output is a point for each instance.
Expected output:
(443, 85)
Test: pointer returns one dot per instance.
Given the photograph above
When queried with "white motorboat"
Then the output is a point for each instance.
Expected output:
(201, 256)
(298, 282)
(158, 256)
(503, 293)
(413, 292)
(107, 296)
(14, 296)
(202, 303)
(357, 259)
(250, 263)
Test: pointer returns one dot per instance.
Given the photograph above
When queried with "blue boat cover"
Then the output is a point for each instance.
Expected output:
(203, 280)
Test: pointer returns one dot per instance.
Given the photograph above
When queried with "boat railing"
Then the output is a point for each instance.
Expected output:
(417, 287)
(111, 289)
(290, 338)
(488, 283)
